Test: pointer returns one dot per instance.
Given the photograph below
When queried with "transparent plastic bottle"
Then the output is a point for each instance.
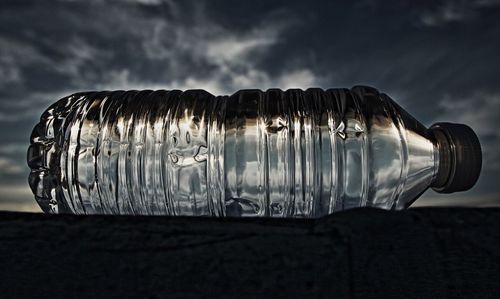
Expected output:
(277, 153)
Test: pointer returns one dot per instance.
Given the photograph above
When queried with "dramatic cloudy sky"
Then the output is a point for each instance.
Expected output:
(440, 60)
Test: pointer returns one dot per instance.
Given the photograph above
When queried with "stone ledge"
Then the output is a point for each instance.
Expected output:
(363, 253)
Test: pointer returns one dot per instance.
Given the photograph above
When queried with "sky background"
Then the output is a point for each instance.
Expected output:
(440, 60)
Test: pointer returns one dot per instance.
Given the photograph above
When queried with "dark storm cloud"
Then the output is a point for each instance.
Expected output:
(438, 59)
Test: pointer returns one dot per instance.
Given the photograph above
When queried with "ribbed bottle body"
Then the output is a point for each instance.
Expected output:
(277, 153)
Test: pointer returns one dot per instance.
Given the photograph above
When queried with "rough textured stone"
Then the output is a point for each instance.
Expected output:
(364, 253)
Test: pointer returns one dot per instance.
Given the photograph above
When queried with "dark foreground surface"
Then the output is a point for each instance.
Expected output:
(419, 253)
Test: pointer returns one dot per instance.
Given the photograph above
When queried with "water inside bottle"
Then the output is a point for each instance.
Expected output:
(276, 153)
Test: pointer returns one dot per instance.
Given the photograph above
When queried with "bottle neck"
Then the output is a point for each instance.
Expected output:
(445, 162)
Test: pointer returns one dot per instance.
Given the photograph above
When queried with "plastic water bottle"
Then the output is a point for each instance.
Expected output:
(276, 153)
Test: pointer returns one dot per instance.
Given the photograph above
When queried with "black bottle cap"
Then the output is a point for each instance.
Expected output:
(460, 157)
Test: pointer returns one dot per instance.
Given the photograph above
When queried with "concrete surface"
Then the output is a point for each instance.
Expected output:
(364, 253)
